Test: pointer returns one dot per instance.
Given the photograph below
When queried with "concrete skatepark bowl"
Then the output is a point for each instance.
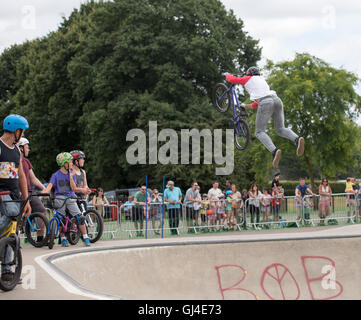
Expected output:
(313, 264)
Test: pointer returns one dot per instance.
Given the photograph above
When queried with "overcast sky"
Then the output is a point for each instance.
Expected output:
(328, 29)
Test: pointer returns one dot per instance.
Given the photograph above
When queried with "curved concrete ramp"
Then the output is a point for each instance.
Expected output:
(283, 269)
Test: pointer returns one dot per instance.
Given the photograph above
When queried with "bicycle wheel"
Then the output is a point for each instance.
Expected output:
(11, 264)
(242, 134)
(94, 225)
(52, 233)
(38, 226)
(73, 235)
(221, 98)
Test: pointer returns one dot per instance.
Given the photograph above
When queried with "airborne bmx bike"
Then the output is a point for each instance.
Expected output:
(223, 97)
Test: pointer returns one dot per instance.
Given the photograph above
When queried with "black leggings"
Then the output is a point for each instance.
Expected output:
(254, 210)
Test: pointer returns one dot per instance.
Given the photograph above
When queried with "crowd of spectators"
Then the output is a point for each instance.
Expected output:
(227, 208)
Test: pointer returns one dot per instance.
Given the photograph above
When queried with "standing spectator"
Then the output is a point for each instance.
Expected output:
(245, 197)
(173, 197)
(100, 201)
(156, 211)
(325, 200)
(254, 196)
(197, 207)
(359, 201)
(351, 206)
(128, 208)
(265, 201)
(301, 190)
(237, 204)
(141, 200)
(230, 219)
(191, 198)
(228, 185)
(203, 211)
(214, 192)
(307, 206)
(32, 180)
(221, 213)
(348, 190)
(277, 194)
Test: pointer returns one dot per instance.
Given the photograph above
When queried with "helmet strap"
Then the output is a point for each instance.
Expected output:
(17, 138)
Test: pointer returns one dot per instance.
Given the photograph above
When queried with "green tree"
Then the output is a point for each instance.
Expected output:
(114, 66)
(321, 105)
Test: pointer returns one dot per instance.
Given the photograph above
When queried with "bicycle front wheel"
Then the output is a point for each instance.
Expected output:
(94, 225)
(221, 97)
(242, 135)
(11, 264)
(36, 226)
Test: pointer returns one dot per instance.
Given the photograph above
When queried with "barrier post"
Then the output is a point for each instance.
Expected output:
(146, 207)
(163, 209)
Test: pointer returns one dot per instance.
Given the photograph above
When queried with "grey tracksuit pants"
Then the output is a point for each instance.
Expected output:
(271, 106)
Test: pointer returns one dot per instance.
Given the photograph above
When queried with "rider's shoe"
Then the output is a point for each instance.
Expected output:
(300, 143)
(64, 243)
(87, 242)
(276, 157)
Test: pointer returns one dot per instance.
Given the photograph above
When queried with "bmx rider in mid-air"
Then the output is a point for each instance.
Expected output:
(269, 105)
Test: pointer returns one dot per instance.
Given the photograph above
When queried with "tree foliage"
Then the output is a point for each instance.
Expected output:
(114, 66)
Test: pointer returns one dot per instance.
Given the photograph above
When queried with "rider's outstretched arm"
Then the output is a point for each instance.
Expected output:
(237, 80)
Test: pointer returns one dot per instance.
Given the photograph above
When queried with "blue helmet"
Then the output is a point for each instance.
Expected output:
(14, 122)
(228, 192)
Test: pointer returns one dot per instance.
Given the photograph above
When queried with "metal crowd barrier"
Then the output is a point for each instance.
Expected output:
(341, 207)
(273, 213)
(157, 220)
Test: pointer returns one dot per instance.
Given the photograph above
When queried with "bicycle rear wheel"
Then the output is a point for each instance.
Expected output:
(94, 225)
(52, 234)
(74, 233)
(38, 226)
(242, 134)
(221, 98)
(11, 263)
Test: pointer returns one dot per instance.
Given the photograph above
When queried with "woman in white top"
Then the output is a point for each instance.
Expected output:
(325, 200)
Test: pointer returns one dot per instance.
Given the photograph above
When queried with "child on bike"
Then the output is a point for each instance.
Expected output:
(80, 174)
(269, 105)
(64, 183)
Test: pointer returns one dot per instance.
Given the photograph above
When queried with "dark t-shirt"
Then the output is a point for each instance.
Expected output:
(9, 169)
(277, 182)
(354, 187)
(302, 189)
(80, 184)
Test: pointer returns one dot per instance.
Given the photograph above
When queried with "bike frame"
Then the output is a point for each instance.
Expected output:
(236, 107)
(58, 217)
(31, 225)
